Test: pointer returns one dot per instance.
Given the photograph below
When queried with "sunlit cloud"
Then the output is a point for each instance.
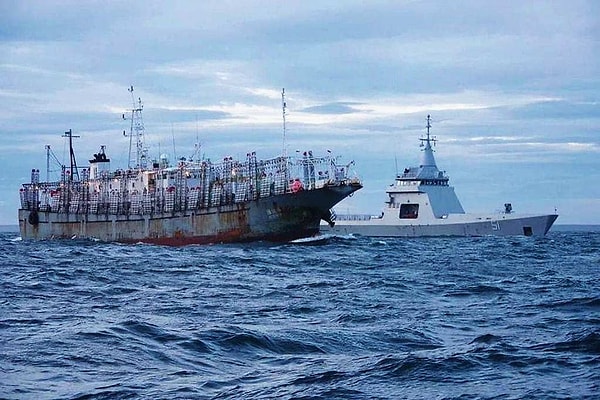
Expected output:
(263, 92)
(365, 110)
(218, 71)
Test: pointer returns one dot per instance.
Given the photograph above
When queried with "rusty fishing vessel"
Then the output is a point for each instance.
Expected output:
(190, 202)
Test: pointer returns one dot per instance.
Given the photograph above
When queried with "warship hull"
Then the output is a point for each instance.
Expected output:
(276, 218)
(498, 225)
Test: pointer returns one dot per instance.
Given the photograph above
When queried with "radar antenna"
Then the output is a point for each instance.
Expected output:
(137, 130)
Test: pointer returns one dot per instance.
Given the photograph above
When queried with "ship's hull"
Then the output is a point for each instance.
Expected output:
(462, 225)
(275, 218)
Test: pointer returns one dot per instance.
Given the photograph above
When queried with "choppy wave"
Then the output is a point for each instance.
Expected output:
(339, 318)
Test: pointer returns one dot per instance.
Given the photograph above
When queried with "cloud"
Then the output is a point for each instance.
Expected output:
(559, 109)
(332, 108)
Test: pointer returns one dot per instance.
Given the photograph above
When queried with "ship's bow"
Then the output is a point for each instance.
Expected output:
(297, 215)
(549, 222)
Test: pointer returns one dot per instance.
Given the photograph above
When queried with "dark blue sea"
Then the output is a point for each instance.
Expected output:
(346, 318)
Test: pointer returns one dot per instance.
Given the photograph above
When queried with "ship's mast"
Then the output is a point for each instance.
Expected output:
(74, 170)
(137, 130)
(50, 154)
(428, 159)
(47, 163)
(429, 139)
(283, 108)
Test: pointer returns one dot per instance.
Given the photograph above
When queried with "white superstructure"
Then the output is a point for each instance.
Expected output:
(421, 202)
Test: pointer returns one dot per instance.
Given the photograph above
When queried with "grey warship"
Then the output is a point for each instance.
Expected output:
(421, 202)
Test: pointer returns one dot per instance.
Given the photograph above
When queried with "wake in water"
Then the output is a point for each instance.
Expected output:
(322, 238)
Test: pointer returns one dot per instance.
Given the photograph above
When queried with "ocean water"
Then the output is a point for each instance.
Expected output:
(345, 318)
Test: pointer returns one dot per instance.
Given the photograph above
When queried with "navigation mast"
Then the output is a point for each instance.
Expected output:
(429, 139)
(427, 158)
(47, 163)
(74, 170)
(283, 107)
(137, 130)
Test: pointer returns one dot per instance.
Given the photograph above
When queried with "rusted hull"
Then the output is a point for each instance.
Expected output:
(276, 218)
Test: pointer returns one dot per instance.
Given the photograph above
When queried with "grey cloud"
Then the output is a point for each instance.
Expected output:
(332, 108)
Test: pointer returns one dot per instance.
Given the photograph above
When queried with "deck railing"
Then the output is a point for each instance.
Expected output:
(187, 186)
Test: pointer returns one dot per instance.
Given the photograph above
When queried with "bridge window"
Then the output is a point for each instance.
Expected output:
(409, 211)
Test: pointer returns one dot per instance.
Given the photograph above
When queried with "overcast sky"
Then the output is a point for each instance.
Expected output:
(513, 89)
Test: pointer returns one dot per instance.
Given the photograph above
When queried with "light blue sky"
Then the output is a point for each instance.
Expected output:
(513, 88)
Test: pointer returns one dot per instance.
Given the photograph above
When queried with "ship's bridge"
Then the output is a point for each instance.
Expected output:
(426, 174)
(415, 176)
